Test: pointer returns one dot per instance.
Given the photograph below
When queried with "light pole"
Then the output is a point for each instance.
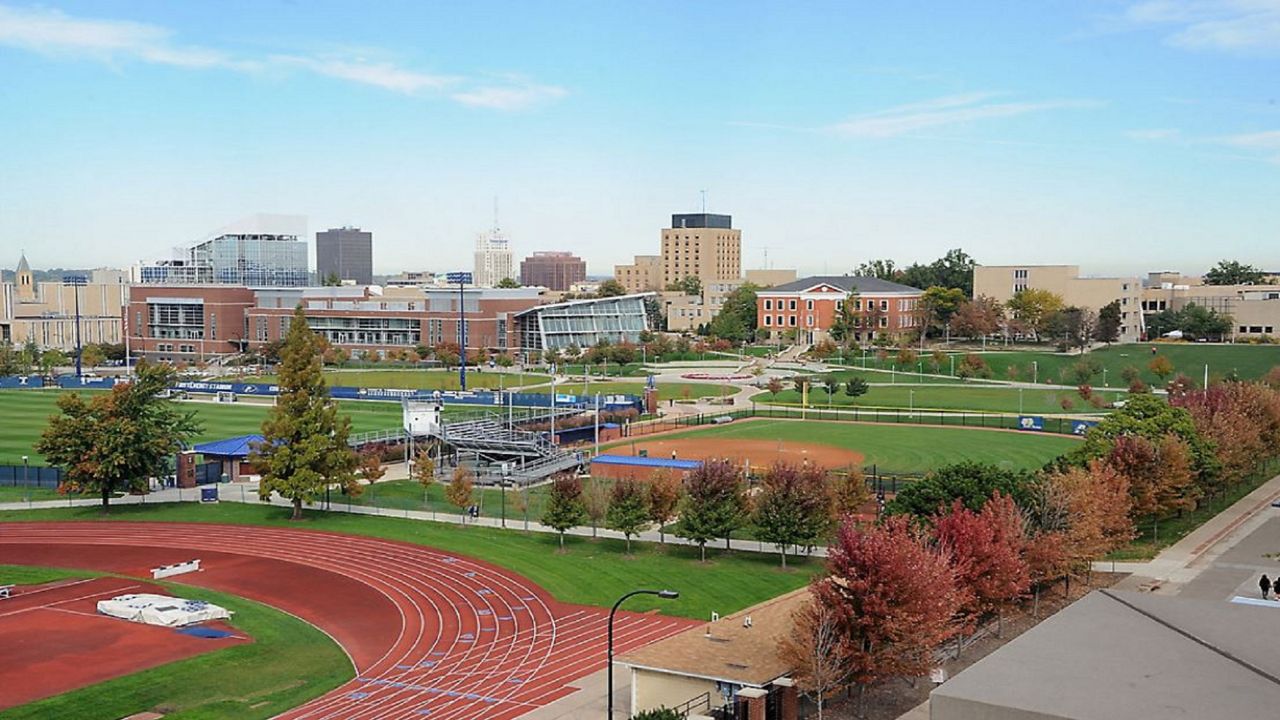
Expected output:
(461, 278)
(1019, 401)
(1104, 378)
(24, 471)
(911, 403)
(953, 365)
(77, 282)
(665, 595)
(1035, 372)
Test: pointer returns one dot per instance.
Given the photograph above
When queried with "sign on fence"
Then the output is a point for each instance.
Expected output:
(1030, 422)
(1080, 427)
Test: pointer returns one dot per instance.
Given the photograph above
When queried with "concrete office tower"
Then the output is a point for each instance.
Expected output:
(493, 258)
(556, 270)
(346, 252)
(701, 245)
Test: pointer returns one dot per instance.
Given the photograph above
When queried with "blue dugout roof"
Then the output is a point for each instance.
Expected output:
(654, 462)
(238, 447)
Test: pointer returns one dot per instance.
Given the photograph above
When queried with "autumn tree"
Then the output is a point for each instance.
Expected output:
(895, 595)
(1161, 366)
(1096, 498)
(985, 549)
(628, 511)
(460, 489)
(118, 438)
(370, 462)
(1153, 418)
(978, 317)
(714, 504)
(304, 447)
(595, 498)
(424, 469)
(774, 386)
(565, 507)
(793, 507)
(664, 497)
(814, 650)
(1241, 421)
(849, 492)
(1160, 474)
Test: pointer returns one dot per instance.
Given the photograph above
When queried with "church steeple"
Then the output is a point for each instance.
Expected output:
(25, 282)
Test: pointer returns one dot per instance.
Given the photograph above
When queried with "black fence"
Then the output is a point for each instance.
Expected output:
(30, 476)
(208, 473)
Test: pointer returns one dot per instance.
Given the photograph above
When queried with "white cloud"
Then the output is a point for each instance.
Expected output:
(1266, 143)
(1154, 134)
(53, 32)
(943, 111)
(1239, 26)
(509, 97)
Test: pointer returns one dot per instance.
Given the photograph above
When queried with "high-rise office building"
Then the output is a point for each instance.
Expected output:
(701, 245)
(257, 251)
(555, 270)
(345, 253)
(493, 258)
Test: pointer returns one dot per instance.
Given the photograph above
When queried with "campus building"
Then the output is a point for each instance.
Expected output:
(45, 312)
(644, 274)
(1001, 282)
(701, 245)
(582, 323)
(345, 253)
(1254, 309)
(553, 270)
(493, 258)
(257, 251)
(810, 306)
(187, 323)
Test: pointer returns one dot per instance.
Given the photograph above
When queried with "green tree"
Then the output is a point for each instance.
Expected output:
(970, 482)
(1233, 272)
(92, 356)
(689, 285)
(29, 356)
(714, 504)
(856, 387)
(51, 360)
(8, 359)
(660, 713)
(331, 280)
(304, 440)
(1033, 306)
(508, 283)
(940, 305)
(879, 269)
(793, 508)
(1153, 418)
(120, 437)
(1108, 329)
(736, 320)
(566, 508)
(628, 511)
(611, 288)
(831, 383)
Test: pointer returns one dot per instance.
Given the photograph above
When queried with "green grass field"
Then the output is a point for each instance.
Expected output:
(589, 572)
(288, 663)
(25, 413)
(990, 398)
(904, 449)
(666, 390)
(420, 379)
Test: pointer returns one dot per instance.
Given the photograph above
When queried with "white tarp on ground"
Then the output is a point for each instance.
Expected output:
(161, 610)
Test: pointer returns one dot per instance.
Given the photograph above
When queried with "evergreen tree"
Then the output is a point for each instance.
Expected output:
(304, 447)
(1108, 328)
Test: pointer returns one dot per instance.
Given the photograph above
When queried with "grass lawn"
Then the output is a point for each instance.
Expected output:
(411, 379)
(666, 390)
(288, 663)
(993, 398)
(904, 449)
(590, 572)
(25, 413)
(10, 493)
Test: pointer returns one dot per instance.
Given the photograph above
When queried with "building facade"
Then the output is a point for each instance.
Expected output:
(45, 312)
(1001, 282)
(555, 270)
(345, 253)
(493, 259)
(257, 251)
(187, 323)
(809, 307)
(701, 245)
(642, 275)
(581, 323)
(1254, 309)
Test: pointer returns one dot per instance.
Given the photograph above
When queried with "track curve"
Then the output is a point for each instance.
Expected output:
(430, 633)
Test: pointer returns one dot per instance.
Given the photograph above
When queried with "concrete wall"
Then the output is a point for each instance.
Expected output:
(651, 689)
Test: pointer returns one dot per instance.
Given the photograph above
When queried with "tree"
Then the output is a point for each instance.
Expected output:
(774, 386)
(1033, 306)
(660, 713)
(1096, 500)
(91, 356)
(736, 320)
(986, 552)
(595, 498)
(714, 504)
(1152, 418)
(940, 305)
(460, 489)
(880, 269)
(508, 283)
(849, 492)
(1161, 366)
(424, 469)
(565, 508)
(689, 285)
(51, 360)
(1232, 272)
(793, 507)
(856, 386)
(370, 462)
(628, 508)
(664, 497)
(331, 280)
(304, 447)
(610, 288)
(120, 437)
(831, 383)
(814, 650)
(895, 595)
(1108, 329)
(978, 317)
(970, 482)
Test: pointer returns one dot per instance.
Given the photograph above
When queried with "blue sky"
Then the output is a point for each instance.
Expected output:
(1122, 136)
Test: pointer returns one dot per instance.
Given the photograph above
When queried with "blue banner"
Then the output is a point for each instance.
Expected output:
(72, 382)
(1030, 422)
(21, 381)
(1080, 427)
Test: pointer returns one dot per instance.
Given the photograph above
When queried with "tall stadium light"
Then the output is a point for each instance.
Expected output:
(462, 279)
(77, 282)
(665, 595)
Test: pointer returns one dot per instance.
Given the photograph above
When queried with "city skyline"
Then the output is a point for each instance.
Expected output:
(1111, 135)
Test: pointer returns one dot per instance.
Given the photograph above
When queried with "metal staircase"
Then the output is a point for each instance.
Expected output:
(516, 455)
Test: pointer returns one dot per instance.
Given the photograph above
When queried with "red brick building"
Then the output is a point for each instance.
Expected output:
(186, 322)
(810, 306)
(552, 270)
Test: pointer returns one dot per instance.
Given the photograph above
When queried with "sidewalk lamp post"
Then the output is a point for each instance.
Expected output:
(953, 365)
(1104, 378)
(665, 595)
(911, 403)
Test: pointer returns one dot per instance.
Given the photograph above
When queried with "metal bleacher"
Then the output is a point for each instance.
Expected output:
(516, 455)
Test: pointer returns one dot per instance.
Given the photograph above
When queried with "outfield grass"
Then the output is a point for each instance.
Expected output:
(666, 390)
(903, 449)
(412, 379)
(990, 398)
(288, 663)
(589, 572)
(27, 575)
(19, 493)
(25, 413)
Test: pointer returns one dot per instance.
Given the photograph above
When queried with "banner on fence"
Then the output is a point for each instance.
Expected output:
(1030, 422)
(448, 397)
(9, 382)
(1080, 427)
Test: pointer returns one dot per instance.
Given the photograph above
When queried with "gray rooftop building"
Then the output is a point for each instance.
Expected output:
(346, 252)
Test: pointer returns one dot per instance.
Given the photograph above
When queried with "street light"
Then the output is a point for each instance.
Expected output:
(665, 595)
(77, 282)
(1019, 401)
(461, 278)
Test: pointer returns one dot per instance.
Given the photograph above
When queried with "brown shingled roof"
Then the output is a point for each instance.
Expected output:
(726, 650)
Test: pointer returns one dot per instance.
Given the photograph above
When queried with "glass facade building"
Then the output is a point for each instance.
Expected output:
(582, 323)
(260, 251)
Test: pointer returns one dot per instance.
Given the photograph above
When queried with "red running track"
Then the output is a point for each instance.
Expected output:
(430, 634)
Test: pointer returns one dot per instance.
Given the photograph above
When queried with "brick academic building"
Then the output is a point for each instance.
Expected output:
(810, 306)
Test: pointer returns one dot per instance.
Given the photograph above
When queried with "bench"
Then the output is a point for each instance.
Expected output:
(6, 592)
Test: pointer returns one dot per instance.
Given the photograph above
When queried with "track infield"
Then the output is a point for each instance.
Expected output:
(55, 641)
(425, 630)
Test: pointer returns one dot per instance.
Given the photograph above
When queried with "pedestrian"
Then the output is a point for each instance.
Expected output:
(1265, 584)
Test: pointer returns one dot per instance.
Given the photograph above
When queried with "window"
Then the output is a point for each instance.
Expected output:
(793, 321)
(1022, 275)
(839, 305)
(792, 304)
(779, 321)
(808, 304)
(884, 306)
(808, 321)
(884, 321)
(768, 304)
(768, 320)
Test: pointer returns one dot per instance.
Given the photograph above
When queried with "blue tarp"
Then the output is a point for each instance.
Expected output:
(654, 462)
(204, 632)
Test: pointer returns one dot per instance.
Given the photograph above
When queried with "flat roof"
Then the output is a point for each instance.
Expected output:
(584, 301)
(638, 461)
(727, 650)
(1118, 655)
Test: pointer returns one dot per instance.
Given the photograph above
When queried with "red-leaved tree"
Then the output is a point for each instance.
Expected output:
(986, 551)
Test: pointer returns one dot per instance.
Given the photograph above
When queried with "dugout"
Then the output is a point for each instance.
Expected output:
(231, 455)
(639, 467)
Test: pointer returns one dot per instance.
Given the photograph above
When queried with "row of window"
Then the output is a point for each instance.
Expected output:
(904, 305)
(168, 347)
(1257, 329)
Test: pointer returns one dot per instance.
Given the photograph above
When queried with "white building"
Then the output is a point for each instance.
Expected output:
(494, 260)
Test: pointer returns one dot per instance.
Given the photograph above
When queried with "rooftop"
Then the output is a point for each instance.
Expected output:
(848, 283)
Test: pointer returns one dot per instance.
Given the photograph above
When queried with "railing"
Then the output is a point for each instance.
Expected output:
(701, 702)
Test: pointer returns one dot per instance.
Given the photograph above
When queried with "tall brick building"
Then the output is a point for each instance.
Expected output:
(810, 306)
(553, 270)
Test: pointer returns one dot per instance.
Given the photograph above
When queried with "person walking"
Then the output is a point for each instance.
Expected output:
(1265, 584)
